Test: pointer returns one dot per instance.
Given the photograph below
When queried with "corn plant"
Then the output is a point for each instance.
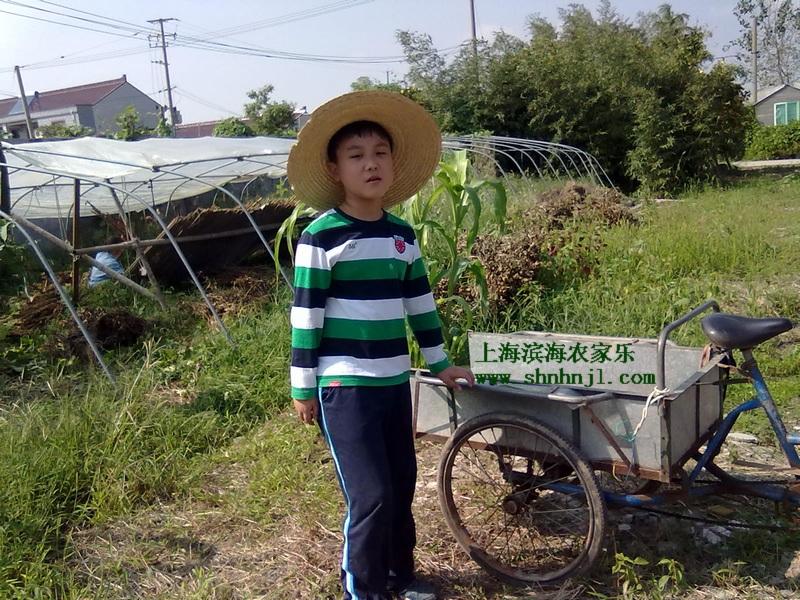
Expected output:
(287, 231)
(449, 217)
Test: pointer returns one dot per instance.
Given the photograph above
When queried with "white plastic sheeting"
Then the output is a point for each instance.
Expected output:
(154, 171)
(161, 170)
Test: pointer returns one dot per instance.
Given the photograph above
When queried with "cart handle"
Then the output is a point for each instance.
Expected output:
(662, 338)
(567, 398)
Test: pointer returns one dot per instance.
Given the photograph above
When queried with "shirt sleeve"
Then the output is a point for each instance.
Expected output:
(422, 315)
(312, 279)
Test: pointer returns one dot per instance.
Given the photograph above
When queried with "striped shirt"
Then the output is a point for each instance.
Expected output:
(355, 283)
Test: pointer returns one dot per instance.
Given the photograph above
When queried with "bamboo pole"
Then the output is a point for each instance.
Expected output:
(139, 254)
(76, 241)
(188, 238)
(68, 248)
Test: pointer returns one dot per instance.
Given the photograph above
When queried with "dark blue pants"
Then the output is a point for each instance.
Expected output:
(369, 433)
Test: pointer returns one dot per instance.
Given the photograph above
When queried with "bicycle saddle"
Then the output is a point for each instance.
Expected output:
(735, 332)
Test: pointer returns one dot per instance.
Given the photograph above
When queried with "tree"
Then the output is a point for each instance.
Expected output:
(368, 83)
(163, 129)
(778, 25)
(129, 125)
(232, 127)
(638, 95)
(62, 130)
(268, 117)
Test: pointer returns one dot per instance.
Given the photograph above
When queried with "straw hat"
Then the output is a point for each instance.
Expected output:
(416, 146)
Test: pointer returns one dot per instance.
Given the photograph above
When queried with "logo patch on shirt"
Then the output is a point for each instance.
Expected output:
(399, 244)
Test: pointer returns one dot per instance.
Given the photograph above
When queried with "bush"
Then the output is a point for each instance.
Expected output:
(61, 130)
(780, 141)
(232, 127)
(14, 261)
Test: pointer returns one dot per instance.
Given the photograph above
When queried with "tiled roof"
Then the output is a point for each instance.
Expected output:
(87, 94)
(6, 104)
(90, 93)
(765, 93)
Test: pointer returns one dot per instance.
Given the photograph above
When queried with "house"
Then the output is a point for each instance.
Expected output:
(93, 105)
(779, 105)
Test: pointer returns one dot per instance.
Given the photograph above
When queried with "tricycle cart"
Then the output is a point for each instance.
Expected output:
(531, 460)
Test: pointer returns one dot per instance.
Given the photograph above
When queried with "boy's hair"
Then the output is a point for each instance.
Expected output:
(360, 129)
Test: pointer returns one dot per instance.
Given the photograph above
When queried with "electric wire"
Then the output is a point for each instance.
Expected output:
(134, 30)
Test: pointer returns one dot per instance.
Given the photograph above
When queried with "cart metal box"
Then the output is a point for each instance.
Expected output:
(600, 419)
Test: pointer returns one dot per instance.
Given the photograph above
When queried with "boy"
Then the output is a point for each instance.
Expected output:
(358, 274)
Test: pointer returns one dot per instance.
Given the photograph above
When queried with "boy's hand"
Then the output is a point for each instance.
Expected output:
(307, 410)
(450, 374)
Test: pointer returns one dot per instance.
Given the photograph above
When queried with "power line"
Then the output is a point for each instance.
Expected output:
(43, 20)
(130, 29)
(85, 12)
(208, 44)
(287, 18)
(184, 93)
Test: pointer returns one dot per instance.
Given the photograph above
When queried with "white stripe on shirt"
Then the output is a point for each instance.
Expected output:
(332, 366)
(419, 304)
(365, 310)
(307, 318)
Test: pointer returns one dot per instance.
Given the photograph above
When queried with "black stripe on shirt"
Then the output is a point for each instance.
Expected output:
(416, 287)
(310, 297)
(363, 348)
(336, 236)
(366, 289)
(429, 338)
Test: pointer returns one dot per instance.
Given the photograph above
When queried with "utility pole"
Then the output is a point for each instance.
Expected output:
(24, 103)
(754, 49)
(474, 40)
(166, 69)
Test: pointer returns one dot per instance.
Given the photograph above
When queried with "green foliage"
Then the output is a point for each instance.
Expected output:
(14, 260)
(626, 570)
(78, 452)
(163, 129)
(368, 83)
(636, 96)
(780, 141)
(232, 127)
(61, 130)
(129, 125)
(447, 221)
(633, 581)
(268, 117)
(287, 233)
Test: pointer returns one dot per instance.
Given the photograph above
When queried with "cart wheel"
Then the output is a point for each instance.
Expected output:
(521, 500)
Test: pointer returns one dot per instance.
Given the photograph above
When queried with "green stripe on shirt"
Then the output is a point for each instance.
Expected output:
(386, 329)
(373, 268)
(307, 339)
(309, 277)
(424, 321)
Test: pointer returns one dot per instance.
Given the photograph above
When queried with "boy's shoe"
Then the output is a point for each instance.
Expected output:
(418, 590)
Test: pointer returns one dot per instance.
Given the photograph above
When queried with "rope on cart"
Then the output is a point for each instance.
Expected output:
(653, 398)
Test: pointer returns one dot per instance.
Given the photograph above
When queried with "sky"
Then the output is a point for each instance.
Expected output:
(211, 85)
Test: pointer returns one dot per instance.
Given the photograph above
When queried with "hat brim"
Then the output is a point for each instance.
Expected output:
(416, 146)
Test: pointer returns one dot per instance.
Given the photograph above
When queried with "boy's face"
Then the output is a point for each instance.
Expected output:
(364, 167)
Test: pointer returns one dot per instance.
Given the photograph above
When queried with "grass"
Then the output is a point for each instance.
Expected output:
(189, 481)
